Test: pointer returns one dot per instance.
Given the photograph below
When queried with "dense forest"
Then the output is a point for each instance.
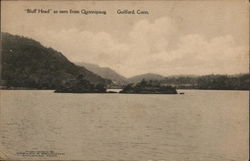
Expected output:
(80, 85)
(223, 82)
(148, 87)
(26, 63)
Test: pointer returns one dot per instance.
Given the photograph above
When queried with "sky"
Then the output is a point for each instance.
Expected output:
(184, 37)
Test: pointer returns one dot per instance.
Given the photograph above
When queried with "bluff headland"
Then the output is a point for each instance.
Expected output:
(28, 64)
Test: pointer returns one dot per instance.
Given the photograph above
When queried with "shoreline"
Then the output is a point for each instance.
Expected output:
(29, 89)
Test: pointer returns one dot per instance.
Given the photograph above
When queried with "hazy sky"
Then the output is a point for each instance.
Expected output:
(185, 37)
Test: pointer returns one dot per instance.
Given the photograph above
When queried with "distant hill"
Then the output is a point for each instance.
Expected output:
(105, 72)
(148, 76)
(26, 63)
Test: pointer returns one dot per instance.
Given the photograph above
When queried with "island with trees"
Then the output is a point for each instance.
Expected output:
(80, 85)
(148, 87)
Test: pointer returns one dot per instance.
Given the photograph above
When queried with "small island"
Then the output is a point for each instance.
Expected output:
(80, 85)
(148, 87)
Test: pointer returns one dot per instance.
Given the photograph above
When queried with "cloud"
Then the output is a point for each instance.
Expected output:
(159, 48)
(197, 55)
(148, 38)
(99, 48)
(151, 46)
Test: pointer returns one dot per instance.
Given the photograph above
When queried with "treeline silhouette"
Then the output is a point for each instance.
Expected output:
(80, 85)
(148, 87)
(219, 82)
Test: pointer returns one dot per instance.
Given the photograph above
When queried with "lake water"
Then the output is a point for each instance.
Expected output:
(199, 125)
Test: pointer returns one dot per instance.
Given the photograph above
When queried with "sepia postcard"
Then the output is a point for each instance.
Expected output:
(146, 80)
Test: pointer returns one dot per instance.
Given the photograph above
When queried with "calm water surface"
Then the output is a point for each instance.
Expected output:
(200, 125)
